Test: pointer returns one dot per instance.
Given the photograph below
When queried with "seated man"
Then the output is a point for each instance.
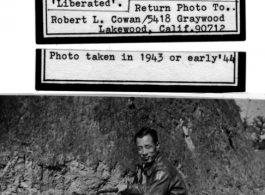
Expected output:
(162, 178)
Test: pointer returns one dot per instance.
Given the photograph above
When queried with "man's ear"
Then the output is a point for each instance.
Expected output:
(157, 145)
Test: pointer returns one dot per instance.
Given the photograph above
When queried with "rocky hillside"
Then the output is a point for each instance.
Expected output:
(60, 145)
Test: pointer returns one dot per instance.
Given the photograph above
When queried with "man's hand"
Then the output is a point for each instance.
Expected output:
(121, 187)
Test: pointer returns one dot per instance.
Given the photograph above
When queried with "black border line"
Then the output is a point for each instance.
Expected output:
(44, 65)
(236, 15)
(40, 39)
(241, 83)
(235, 67)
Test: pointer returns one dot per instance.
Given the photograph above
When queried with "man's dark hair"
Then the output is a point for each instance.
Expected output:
(146, 131)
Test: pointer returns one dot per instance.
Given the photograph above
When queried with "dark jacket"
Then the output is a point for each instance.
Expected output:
(162, 178)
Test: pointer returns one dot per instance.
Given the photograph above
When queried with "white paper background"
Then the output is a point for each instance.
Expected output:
(17, 49)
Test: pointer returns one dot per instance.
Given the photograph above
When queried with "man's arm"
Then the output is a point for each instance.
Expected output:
(136, 189)
(159, 186)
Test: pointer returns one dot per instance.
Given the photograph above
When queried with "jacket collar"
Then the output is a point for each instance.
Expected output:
(150, 169)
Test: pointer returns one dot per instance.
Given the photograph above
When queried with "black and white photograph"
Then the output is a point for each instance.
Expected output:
(73, 145)
(132, 97)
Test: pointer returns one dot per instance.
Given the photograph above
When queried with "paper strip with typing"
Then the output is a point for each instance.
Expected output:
(133, 18)
(139, 68)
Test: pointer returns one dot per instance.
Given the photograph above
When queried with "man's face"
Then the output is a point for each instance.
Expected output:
(147, 149)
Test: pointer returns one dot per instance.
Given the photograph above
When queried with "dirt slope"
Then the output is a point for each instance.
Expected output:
(57, 145)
